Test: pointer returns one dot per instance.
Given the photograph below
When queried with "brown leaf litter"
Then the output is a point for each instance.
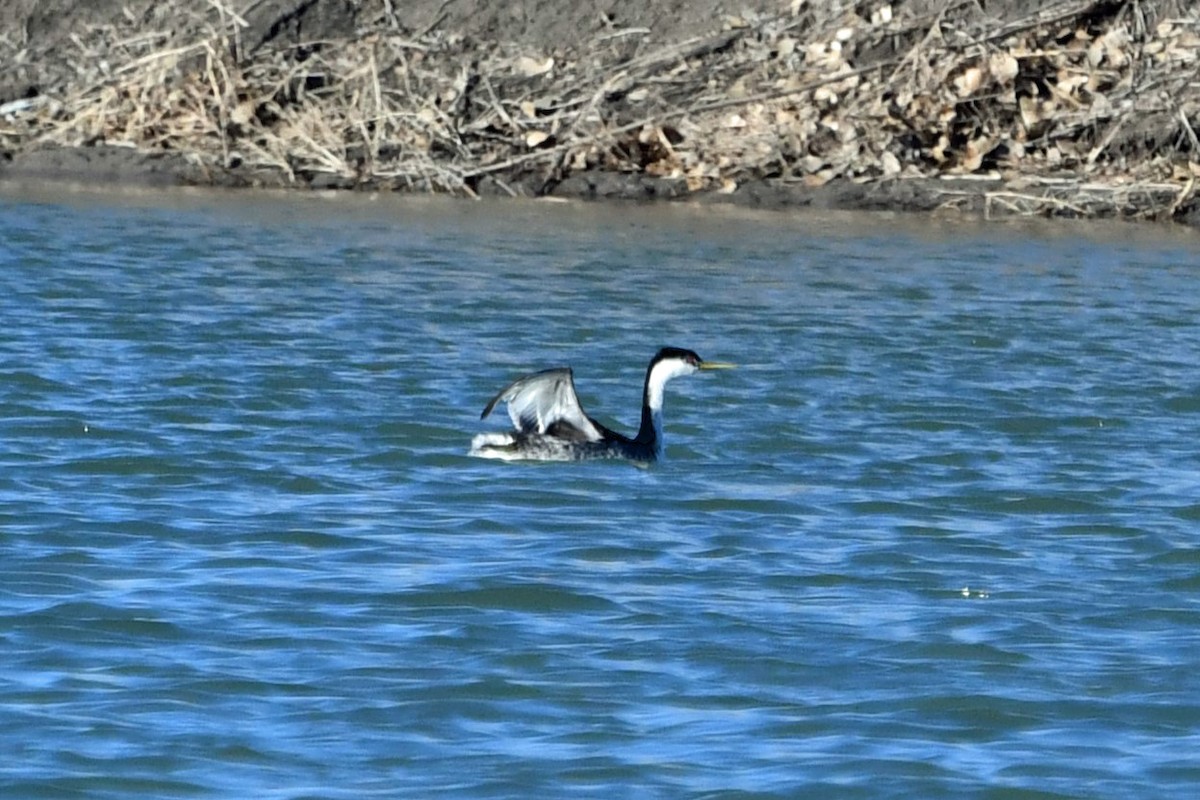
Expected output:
(1086, 109)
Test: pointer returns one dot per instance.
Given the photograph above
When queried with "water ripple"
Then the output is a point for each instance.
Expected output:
(935, 537)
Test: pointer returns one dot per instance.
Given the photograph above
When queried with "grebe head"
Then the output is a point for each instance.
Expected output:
(672, 362)
(676, 361)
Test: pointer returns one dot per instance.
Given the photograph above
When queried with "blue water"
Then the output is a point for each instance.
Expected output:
(937, 536)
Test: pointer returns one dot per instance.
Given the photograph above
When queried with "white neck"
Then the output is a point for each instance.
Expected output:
(662, 372)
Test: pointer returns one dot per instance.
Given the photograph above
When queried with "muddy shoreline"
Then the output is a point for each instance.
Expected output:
(1067, 109)
(98, 166)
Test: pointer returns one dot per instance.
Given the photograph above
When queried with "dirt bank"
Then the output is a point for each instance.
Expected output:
(1071, 107)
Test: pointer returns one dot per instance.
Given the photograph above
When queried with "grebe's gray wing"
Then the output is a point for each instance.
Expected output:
(545, 402)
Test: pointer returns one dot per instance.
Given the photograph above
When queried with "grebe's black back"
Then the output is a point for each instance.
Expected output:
(551, 425)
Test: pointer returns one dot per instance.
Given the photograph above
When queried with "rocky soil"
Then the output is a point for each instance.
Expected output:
(1080, 108)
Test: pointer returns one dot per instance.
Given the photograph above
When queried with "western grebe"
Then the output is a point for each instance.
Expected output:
(551, 425)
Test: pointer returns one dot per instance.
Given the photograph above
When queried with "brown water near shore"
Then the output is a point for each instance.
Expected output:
(1078, 109)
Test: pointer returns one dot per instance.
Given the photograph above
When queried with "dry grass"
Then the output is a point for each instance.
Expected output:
(1087, 110)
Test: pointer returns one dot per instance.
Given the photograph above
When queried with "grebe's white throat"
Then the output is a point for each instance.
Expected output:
(550, 424)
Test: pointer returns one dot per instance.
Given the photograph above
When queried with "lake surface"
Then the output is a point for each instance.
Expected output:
(939, 535)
